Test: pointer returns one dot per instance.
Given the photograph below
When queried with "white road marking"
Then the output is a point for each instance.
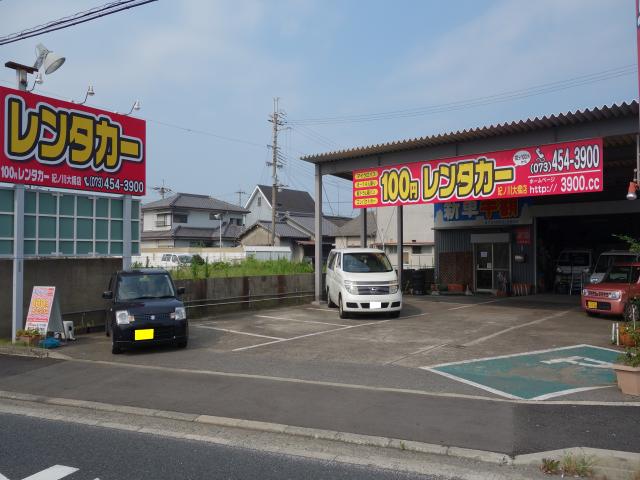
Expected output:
(321, 309)
(238, 332)
(307, 335)
(511, 355)
(416, 315)
(473, 384)
(473, 305)
(570, 391)
(300, 321)
(53, 473)
(425, 349)
(506, 330)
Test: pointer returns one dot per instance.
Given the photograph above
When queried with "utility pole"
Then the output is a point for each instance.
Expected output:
(276, 118)
(240, 192)
(163, 190)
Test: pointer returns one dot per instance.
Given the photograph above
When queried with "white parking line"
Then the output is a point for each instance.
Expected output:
(320, 309)
(238, 332)
(506, 330)
(300, 321)
(307, 335)
(473, 305)
(53, 473)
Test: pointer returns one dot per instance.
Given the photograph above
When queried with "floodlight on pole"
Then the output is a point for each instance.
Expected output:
(218, 216)
(47, 59)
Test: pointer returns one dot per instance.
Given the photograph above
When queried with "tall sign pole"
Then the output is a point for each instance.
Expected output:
(637, 172)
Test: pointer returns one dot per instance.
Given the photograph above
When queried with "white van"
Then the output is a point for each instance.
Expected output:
(173, 260)
(606, 259)
(362, 280)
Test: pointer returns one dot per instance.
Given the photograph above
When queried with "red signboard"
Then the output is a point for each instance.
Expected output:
(557, 169)
(53, 143)
(40, 308)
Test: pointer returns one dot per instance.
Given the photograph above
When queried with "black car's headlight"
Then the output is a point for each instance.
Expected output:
(123, 317)
(180, 313)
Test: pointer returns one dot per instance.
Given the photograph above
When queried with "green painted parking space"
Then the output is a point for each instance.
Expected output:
(538, 375)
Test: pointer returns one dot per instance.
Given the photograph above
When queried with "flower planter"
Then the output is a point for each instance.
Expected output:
(626, 340)
(31, 341)
(628, 379)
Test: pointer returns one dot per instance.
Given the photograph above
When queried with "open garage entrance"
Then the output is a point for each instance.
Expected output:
(578, 239)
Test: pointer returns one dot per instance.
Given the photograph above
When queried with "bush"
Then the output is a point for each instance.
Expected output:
(248, 267)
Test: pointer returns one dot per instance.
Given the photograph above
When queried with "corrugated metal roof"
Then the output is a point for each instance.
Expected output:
(228, 232)
(191, 200)
(329, 229)
(570, 118)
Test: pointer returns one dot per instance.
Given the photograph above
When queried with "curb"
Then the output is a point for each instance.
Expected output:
(612, 463)
(20, 351)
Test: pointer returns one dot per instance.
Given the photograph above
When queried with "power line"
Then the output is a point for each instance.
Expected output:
(203, 132)
(474, 102)
(75, 19)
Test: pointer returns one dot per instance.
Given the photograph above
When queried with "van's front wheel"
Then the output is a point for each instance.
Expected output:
(341, 311)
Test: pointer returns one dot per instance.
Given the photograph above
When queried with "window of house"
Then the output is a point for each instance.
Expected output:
(180, 218)
(416, 249)
(259, 201)
(163, 220)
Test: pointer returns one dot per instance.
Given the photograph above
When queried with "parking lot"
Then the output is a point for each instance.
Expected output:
(312, 343)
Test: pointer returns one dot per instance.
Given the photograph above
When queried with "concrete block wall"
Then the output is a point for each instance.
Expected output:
(79, 284)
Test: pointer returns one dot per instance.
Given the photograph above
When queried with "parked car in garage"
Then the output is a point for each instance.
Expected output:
(362, 280)
(608, 258)
(572, 270)
(145, 308)
(611, 296)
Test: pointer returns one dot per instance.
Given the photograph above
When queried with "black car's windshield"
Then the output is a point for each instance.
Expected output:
(617, 274)
(365, 262)
(136, 287)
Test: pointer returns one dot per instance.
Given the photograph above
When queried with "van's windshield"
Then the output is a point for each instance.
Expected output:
(617, 274)
(138, 287)
(366, 262)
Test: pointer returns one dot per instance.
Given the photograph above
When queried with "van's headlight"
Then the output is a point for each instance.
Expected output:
(179, 314)
(123, 317)
(615, 295)
(393, 288)
(351, 287)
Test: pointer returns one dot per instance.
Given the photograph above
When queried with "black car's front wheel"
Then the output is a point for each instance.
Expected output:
(182, 343)
(115, 349)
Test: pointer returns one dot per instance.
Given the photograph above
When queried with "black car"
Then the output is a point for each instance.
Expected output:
(145, 308)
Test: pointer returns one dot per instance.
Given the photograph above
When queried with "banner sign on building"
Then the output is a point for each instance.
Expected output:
(481, 213)
(556, 169)
(52, 143)
(44, 311)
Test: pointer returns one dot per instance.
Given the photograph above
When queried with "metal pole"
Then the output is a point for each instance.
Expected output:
(363, 228)
(126, 232)
(18, 240)
(400, 238)
(220, 240)
(318, 235)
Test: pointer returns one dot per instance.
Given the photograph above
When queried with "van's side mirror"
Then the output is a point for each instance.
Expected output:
(107, 294)
(181, 290)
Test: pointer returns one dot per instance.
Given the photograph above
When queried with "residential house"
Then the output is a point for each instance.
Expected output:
(190, 220)
(294, 202)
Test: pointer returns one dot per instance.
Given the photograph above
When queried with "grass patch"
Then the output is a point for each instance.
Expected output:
(246, 268)
(577, 465)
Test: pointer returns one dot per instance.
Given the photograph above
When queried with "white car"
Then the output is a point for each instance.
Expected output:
(172, 260)
(362, 280)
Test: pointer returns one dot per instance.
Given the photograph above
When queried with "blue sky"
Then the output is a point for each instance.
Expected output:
(215, 66)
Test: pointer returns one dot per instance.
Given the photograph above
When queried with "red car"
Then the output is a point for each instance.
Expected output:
(611, 296)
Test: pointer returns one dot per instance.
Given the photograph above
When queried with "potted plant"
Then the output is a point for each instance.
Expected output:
(628, 368)
(30, 336)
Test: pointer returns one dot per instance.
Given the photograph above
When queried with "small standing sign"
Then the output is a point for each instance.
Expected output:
(44, 311)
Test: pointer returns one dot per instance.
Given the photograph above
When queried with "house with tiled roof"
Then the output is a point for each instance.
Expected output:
(191, 220)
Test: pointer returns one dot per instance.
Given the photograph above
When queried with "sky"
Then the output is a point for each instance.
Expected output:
(206, 73)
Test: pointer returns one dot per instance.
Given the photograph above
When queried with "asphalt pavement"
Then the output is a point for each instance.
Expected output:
(59, 450)
(499, 426)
